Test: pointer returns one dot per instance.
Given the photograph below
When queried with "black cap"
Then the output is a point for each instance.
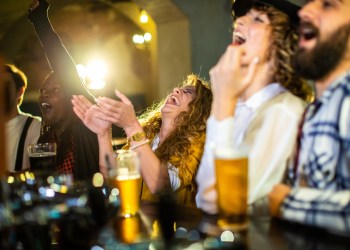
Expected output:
(241, 7)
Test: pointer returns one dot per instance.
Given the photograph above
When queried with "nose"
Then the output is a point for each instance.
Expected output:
(239, 22)
(177, 90)
(308, 11)
(44, 93)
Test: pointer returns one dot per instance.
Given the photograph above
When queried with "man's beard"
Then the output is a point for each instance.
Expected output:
(324, 57)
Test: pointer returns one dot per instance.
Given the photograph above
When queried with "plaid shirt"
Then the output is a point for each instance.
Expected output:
(67, 165)
(321, 175)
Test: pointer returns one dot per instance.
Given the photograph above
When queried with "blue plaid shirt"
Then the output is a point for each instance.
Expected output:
(321, 173)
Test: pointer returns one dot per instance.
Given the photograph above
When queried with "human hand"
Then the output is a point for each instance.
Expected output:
(120, 113)
(276, 196)
(36, 7)
(89, 114)
(228, 78)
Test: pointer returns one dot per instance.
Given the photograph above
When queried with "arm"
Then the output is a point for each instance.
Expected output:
(61, 62)
(121, 113)
(327, 209)
(228, 84)
(217, 133)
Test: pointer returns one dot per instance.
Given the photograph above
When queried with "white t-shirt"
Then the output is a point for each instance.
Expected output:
(14, 129)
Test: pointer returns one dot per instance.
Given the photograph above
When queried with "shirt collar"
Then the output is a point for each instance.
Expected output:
(265, 94)
(340, 82)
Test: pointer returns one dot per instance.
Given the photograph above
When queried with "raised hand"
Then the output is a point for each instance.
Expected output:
(229, 79)
(36, 7)
(90, 115)
(120, 113)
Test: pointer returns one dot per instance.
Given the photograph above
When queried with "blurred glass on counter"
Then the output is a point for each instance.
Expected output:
(232, 187)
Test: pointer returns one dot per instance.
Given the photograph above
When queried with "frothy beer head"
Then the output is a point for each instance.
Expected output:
(231, 153)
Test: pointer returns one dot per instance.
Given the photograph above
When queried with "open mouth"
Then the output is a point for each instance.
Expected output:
(173, 100)
(46, 107)
(238, 38)
(307, 31)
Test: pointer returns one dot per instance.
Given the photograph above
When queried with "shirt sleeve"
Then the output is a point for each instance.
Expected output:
(321, 208)
(218, 133)
(173, 172)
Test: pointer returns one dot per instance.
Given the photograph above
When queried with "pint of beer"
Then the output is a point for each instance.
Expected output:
(42, 157)
(126, 179)
(232, 187)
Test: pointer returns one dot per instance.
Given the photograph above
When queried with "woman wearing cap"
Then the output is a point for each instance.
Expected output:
(258, 98)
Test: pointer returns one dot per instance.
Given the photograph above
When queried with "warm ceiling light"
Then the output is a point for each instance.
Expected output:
(147, 36)
(143, 16)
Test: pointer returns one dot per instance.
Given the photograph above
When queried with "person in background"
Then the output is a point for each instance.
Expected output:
(258, 100)
(319, 175)
(77, 146)
(22, 129)
(169, 137)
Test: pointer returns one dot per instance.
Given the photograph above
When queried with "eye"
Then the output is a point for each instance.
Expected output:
(56, 90)
(258, 19)
(188, 91)
(327, 4)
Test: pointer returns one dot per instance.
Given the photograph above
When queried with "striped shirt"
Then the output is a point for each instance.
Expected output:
(321, 175)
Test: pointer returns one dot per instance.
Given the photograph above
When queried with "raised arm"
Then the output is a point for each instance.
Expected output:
(61, 62)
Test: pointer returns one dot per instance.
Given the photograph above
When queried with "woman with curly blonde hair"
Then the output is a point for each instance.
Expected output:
(258, 99)
(175, 129)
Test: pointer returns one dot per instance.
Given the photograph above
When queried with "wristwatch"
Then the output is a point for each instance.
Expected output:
(136, 137)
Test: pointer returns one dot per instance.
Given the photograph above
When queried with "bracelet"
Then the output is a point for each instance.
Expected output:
(136, 137)
(140, 145)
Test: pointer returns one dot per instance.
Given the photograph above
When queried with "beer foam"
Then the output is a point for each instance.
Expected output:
(231, 153)
(42, 154)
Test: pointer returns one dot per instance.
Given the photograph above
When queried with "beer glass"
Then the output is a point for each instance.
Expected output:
(42, 157)
(128, 230)
(126, 178)
(232, 187)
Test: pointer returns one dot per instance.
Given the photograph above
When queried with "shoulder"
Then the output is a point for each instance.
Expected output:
(35, 118)
(285, 104)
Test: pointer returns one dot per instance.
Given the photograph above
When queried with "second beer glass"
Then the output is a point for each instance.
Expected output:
(232, 187)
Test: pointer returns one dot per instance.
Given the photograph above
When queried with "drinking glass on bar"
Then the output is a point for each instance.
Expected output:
(126, 178)
(232, 187)
(42, 157)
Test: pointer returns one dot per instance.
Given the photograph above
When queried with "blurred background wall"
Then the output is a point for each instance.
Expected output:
(115, 49)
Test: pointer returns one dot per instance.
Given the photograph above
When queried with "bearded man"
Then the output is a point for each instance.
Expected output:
(320, 172)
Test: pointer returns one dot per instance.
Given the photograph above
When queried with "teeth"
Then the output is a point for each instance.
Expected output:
(45, 104)
(177, 102)
(239, 37)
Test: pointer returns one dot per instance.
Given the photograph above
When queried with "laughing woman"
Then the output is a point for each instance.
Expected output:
(175, 129)
(258, 99)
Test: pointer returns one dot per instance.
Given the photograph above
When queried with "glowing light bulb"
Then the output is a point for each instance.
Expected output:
(143, 16)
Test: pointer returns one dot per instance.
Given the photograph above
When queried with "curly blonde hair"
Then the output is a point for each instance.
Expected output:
(283, 46)
(191, 125)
